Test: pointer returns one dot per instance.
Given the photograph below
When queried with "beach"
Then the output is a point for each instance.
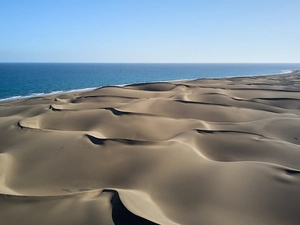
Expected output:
(209, 151)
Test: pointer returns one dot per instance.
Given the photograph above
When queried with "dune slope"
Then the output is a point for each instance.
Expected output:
(215, 152)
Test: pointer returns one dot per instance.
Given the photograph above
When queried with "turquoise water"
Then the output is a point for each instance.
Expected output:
(19, 80)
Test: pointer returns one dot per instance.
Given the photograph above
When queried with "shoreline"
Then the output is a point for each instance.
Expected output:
(58, 92)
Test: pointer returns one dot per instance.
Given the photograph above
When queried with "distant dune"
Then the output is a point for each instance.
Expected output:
(209, 151)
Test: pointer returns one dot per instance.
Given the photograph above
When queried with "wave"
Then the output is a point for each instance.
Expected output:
(42, 94)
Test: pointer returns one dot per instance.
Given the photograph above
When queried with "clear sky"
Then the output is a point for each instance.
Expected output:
(150, 31)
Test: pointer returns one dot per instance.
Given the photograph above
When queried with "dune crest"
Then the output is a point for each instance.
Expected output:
(208, 151)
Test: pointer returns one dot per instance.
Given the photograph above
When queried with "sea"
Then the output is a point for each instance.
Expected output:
(24, 80)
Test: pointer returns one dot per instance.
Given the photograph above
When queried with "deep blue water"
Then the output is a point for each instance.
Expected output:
(34, 79)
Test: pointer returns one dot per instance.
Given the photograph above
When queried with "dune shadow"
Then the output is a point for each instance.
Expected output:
(95, 141)
(121, 215)
(292, 172)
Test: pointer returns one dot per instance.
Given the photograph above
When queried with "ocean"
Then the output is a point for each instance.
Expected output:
(20, 80)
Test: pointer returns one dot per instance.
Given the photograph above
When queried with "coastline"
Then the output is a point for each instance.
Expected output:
(34, 95)
(204, 151)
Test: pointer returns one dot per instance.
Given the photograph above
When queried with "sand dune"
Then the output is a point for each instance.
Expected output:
(210, 151)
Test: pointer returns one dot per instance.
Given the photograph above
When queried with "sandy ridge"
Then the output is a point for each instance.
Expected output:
(208, 151)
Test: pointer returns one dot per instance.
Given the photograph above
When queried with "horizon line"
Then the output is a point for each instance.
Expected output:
(159, 62)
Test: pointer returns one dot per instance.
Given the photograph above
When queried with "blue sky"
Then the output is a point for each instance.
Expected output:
(149, 31)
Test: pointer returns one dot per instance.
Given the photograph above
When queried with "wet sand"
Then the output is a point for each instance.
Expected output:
(210, 151)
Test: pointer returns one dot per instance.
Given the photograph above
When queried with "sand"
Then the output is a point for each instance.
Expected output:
(210, 151)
